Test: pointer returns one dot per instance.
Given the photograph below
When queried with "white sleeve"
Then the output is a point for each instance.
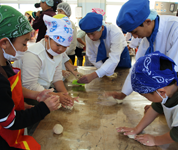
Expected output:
(31, 66)
(58, 73)
(118, 43)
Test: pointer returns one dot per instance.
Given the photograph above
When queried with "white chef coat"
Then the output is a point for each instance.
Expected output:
(166, 42)
(115, 43)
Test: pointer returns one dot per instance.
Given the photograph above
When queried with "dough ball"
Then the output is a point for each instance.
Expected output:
(131, 136)
(113, 76)
(57, 129)
(59, 105)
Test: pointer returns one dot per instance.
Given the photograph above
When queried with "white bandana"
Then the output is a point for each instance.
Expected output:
(60, 30)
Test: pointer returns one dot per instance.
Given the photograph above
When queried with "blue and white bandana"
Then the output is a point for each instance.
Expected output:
(60, 30)
(146, 76)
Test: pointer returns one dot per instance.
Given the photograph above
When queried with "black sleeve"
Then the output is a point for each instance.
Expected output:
(11, 119)
(25, 118)
(38, 22)
(157, 107)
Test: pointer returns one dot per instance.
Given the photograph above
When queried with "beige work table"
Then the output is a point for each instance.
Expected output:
(91, 125)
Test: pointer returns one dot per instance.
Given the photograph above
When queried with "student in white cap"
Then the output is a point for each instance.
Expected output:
(64, 8)
(42, 63)
(106, 47)
(158, 33)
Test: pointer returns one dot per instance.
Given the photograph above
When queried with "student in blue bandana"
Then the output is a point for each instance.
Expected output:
(154, 77)
(158, 33)
(106, 47)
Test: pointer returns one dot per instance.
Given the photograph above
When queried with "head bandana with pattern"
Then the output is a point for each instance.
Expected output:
(146, 76)
(12, 23)
(60, 30)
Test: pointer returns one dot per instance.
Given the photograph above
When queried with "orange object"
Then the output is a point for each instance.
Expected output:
(16, 138)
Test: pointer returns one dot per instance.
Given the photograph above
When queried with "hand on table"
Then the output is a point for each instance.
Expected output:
(146, 139)
(27, 106)
(65, 99)
(127, 131)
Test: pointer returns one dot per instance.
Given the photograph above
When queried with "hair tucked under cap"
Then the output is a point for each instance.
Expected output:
(48, 2)
(91, 22)
(132, 14)
(12, 23)
(147, 77)
(60, 30)
(65, 7)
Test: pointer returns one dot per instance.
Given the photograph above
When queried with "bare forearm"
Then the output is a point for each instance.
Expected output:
(147, 119)
(69, 66)
(59, 85)
(163, 139)
(29, 93)
(81, 41)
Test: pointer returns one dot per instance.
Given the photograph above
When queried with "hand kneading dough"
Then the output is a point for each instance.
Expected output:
(131, 136)
(57, 129)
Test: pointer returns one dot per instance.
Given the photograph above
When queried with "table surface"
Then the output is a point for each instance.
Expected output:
(92, 123)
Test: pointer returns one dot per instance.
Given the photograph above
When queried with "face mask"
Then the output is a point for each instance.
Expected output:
(26, 17)
(18, 54)
(51, 51)
(164, 99)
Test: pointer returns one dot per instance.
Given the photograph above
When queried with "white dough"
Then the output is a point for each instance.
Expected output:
(59, 105)
(69, 107)
(131, 136)
(114, 99)
(119, 101)
(57, 129)
(113, 76)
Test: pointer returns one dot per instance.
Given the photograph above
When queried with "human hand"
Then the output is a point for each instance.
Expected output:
(66, 100)
(77, 75)
(88, 78)
(65, 74)
(26, 106)
(52, 102)
(146, 139)
(127, 131)
(44, 94)
(117, 95)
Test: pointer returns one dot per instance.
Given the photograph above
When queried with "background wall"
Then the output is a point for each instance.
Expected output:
(111, 7)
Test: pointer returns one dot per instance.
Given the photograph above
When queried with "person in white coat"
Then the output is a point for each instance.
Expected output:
(158, 33)
(106, 47)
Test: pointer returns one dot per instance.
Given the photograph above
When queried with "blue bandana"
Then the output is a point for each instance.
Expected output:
(102, 49)
(91, 22)
(152, 37)
(146, 76)
(132, 14)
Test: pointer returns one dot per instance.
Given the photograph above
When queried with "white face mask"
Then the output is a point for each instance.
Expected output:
(51, 51)
(18, 54)
(164, 99)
